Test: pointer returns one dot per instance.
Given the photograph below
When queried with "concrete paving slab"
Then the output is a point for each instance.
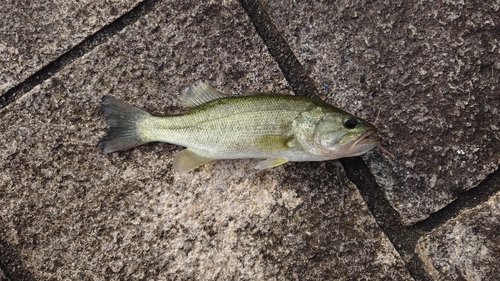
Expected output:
(33, 33)
(432, 70)
(73, 213)
(467, 247)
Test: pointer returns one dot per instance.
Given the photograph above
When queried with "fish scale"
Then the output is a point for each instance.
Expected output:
(231, 127)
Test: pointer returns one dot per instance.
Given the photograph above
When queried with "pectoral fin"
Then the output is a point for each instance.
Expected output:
(274, 143)
(270, 163)
(186, 160)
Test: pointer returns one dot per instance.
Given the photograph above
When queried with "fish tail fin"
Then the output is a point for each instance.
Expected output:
(123, 120)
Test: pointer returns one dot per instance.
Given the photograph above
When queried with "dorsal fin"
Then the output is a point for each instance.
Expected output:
(198, 94)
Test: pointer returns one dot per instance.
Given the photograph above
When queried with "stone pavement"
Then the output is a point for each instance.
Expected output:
(431, 212)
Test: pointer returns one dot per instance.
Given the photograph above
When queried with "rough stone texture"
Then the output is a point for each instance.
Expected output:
(432, 70)
(467, 247)
(3, 277)
(74, 214)
(33, 33)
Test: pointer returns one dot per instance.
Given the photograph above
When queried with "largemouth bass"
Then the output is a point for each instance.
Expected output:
(273, 127)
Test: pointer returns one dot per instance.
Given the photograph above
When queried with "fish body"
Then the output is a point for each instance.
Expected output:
(277, 128)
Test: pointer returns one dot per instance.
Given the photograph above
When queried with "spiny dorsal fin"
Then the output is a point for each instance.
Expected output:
(198, 94)
(186, 160)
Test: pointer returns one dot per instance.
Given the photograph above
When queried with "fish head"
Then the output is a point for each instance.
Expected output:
(339, 134)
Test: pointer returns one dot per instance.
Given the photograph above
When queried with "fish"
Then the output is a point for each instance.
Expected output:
(272, 127)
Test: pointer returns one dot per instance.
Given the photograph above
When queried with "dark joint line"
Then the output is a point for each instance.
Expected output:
(76, 52)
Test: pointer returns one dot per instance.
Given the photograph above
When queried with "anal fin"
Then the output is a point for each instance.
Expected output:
(270, 163)
(186, 160)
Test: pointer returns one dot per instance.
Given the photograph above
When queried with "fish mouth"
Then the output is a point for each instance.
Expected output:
(367, 138)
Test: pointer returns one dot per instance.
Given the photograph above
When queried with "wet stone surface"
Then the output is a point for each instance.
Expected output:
(72, 213)
(431, 69)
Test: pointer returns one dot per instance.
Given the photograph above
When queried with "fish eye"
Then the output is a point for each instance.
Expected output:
(350, 123)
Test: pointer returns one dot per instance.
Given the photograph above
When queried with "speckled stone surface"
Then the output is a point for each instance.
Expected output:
(3, 277)
(33, 33)
(467, 247)
(72, 213)
(432, 69)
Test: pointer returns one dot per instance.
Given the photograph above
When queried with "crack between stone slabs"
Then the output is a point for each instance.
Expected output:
(76, 52)
(279, 49)
(403, 238)
(465, 200)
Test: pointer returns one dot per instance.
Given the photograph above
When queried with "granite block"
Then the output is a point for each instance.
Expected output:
(428, 69)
